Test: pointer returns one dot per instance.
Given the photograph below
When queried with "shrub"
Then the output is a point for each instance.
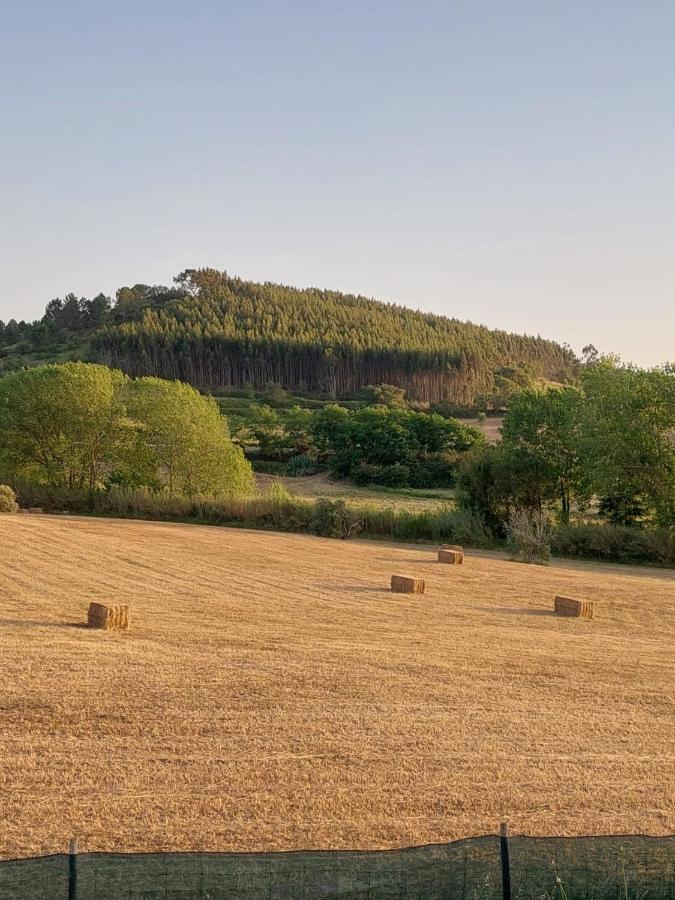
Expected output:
(267, 466)
(451, 525)
(615, 543)
(303, 464)
(529, 536)
(450, 410)
(394, 476)
(363, 475)
(383, 395)
(278, 494)
(8, 502)
(461, 526)
(432, 473)
(274, 394)
(333, 518)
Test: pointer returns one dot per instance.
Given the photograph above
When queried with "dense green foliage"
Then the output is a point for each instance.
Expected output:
(392, 447)
(213, 331)
(628, 441)
(615, 543)
(612, 438)
(226, 331)
(63, 424)
(184, 437)
(541, 440)
(383, 395)
(87, 426)
(64, 332)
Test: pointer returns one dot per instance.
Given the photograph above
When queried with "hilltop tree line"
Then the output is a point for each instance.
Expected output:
(72, 317)
(214, 331)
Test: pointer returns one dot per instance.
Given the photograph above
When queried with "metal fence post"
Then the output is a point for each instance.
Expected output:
(72, 869)
(506, 864)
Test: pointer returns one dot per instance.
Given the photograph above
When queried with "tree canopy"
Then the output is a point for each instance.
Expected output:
(628, 440)
(228, 332)
(612, 438)
(86, 426)
(213, 330)
(394, 447)
(541, 432)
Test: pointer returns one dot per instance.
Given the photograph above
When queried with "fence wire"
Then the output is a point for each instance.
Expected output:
(582, 868)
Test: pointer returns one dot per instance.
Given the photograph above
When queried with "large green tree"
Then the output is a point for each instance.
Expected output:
(182, 436)
(64, 424)
(628, 440)
(614, 438)
(84, 426)
(541, 435)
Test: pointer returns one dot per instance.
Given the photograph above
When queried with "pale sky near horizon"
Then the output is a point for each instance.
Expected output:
(508, 163)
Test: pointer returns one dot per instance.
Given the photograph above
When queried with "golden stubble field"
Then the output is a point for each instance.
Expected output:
(272, 693)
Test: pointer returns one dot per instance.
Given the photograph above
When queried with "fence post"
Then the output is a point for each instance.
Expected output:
(506, 865)
(72, 869)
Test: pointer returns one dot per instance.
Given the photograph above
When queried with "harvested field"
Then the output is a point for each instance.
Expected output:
(273, 693)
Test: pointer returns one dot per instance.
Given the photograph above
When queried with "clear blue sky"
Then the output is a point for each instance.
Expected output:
(508, 163)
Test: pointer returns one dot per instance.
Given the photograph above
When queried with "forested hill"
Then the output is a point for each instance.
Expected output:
(214, 331)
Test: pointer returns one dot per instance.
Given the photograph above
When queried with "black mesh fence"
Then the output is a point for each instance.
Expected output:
(584, 868)
(616, 868)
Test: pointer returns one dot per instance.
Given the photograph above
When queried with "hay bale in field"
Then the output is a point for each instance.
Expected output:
(456, 548)
(407, 584)
(569, 606)
(38, 510)
(452, 557)
(115, 616)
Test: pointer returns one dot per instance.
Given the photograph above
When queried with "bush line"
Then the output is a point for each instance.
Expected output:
(280, 511)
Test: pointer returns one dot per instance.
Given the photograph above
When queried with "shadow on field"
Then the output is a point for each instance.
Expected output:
(397, 559)
(517, 611)
(31, 623)
(356, 589)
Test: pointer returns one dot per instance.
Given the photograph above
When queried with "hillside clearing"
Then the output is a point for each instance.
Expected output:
(322, 485)
(273, 694)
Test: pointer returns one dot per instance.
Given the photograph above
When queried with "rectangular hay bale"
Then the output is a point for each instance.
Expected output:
(114, 616)
(407, 584)
(452, 557)
(569, 606)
